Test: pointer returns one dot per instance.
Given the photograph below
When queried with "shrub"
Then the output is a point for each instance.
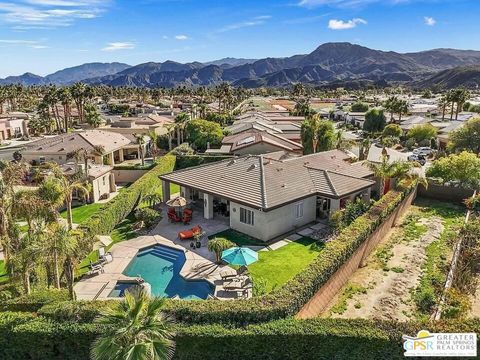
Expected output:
(200, 133)
(422, 133)
(104, 221)
(149, 216)
(457, 305)
(76, 311)
(35, 300)
(375, 121)
(393, 130)
(425, 299)
(183, 150)
(359, 107)
(218, 245)
(186, 161)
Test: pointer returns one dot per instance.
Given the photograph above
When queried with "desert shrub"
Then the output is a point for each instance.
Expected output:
(35, 300)
(457, 305)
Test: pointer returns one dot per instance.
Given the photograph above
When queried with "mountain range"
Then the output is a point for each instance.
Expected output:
(329, 65)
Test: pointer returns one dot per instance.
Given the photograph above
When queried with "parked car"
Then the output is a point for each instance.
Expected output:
(418, 158)
(425, 151)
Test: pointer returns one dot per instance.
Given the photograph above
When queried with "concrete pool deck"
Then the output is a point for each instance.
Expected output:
(98, 287)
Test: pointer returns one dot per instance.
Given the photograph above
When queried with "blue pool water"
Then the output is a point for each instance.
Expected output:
(160, 266)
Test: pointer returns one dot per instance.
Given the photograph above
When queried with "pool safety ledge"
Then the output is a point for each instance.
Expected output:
(100, 286)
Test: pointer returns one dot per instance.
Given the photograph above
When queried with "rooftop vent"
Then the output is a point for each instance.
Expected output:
(253, 166)
(233, 161)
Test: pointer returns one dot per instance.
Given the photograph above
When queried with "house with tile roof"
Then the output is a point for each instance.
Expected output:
(268, 196)
(115, 147)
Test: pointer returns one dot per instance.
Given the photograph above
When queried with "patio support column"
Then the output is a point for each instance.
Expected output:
(207, 206)
(367, 194)
(334, 205)
(185, 192)
(166, 190)
(120, 155)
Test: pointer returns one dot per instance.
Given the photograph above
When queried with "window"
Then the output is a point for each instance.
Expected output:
(299, 210)
(247, 216)
(104, 180)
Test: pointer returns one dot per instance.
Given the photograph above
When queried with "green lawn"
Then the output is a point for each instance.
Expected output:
(277, 267)
(3, 272)
(238, 238)
(82, 212)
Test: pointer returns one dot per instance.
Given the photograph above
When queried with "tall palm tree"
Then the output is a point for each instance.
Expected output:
(401, 108)
(154, 144)
(141, 142)
(58, 243)
(386, 170)
(136, 329)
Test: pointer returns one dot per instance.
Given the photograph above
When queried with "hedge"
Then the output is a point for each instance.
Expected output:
(186, 161)
(35, 300)
(24, 336)
(116, 210)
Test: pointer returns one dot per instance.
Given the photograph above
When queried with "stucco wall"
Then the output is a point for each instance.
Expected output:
(128, 176)
(325, 294)
(101, 186)
(445, 193)
(271, 224)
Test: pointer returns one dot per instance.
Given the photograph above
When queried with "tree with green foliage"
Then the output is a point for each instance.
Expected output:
(467, 137)
(462, 168)
(218, 245)
(318, 135)
(92, 116)
(201, 133)
(359, 107)
(393, 130)
(375, 121)
(135, 329)
(422, 134)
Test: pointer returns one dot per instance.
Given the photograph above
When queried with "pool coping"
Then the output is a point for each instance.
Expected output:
(100, 286)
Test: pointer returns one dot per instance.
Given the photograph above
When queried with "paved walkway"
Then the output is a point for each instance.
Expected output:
(100, 286)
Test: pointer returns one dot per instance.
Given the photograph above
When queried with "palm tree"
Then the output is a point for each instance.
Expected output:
(136, 329)
(219, 245)
(154, 143)
(141, 142)
(180, 122)
(443, 103)
(401, 108)
(58, 243)
(387, 170)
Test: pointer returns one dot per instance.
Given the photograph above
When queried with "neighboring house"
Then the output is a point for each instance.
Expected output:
(99, 176)
(138, 124)
(265, 197)
(13, 125)
(356, 118)
(444, 131)
(256, 142)
(375, 155)
(116, 147)
(412, 121)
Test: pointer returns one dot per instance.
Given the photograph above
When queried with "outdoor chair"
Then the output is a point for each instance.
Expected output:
(172, 215)
(225, 275)
(235, 284)
(95, 269)
(104, 257)
(187, 216)
(190, 234)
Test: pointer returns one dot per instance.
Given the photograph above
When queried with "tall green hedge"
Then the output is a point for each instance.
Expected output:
(115, 211)
(25, 336)
(186, 161)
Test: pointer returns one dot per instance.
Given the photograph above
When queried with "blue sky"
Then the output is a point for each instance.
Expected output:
(42, 36)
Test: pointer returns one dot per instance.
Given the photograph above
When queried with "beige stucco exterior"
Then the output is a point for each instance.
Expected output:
(270, 224)
(104, 184)
(259, 148)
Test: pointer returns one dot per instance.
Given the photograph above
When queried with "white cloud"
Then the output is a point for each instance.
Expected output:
(34, 14)
(430, 21)
(18, 42)
(349, 3)
(115, 46)
(257, 20)
(345, 25)
(181, 37)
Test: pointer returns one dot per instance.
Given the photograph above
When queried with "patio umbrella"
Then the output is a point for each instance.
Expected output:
(239, 256)
(177, 202)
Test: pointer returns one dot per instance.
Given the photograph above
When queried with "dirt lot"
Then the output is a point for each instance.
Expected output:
(384, 288)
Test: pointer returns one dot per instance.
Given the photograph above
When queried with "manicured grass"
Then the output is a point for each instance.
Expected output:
(3, 272)
(277, 267)
(124, 230)
(238, 238)
(82, 212)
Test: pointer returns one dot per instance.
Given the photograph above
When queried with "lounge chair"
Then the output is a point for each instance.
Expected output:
(104, 257)
(190, 234)
(225, 275)
(212, 297)
(95, 269)
(235, 284)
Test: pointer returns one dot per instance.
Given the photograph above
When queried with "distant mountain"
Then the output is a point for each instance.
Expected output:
(331, 64)
(69, 75)
(26, 79)
(467, 76)
(85, 71)
(230, 61)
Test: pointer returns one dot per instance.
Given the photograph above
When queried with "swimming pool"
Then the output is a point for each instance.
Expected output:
(160, 266)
